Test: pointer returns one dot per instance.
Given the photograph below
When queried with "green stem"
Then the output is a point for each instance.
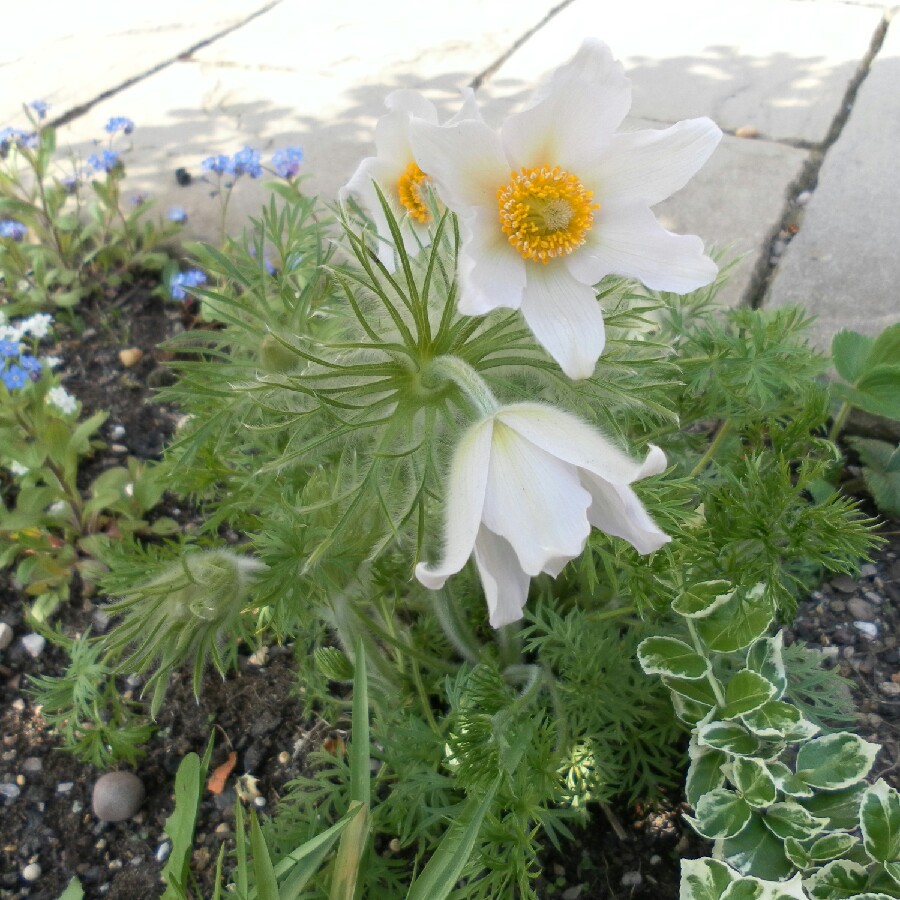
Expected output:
(466, 379)
(423, 697)
(698, 646)
(839, 420)
(509, 641)
(721, 434)
(455, 628)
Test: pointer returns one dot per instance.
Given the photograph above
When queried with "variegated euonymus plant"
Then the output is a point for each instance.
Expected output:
(787, 805)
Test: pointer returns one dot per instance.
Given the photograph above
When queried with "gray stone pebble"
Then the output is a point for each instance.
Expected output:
(31, 872)
(32, 764)
(6, 635)
(163, 851)
(34, 644)
(868, 629)
(861, 609)
(9, 790)
(117, 796)
(632, 879)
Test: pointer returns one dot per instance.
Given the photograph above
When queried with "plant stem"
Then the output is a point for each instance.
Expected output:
(467, 380)
(698, 646)
(838, 423)
(721, 434)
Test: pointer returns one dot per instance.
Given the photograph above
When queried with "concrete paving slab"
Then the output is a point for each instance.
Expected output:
(779, 66)
(189, 111)
(75, 55)
(843, 265)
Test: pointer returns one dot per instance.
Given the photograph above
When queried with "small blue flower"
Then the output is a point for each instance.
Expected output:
(220, 165)
(14, 377)
(8, 348)
(119, 123)
(177, 214)
(105, 162)
(246, 162)
(287, 161)
(181, 280)
(40, 108)
(69, 183)
(17, 136)
(30, 364)
(10, 228)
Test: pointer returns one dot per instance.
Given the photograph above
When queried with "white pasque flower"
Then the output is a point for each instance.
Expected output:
(557, 200)
(526, 485)
(398, 176)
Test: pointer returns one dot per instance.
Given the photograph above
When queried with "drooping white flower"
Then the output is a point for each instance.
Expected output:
(398, 176)
(557, 200)
(526, 485)
(60, 398)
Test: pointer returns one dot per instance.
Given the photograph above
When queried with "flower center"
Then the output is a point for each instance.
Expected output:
(546, 212)
(409, 189)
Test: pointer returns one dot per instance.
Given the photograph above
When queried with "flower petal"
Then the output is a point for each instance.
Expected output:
(412, 103)
(565, 317)
(652, 165)
(572, 118)
(505, 584)
(491, 272)
(535, 501)
(464, 160)
(466, 487)
(574, 441)
(617, 510)
(627, 240)
(468, 110)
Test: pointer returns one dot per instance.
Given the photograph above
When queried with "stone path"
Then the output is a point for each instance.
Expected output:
(805, 185)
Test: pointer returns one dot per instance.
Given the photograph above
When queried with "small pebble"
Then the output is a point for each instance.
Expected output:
(131, 356)
(844, 583)
(260, 657)
(9, 790)
(745, 131)
(34, 645)
(117, 796)
(118, 448)
(64, 787)
(873, 597)
(632, 879)
(284, 757)
(117, 432)
(868, 570)
(31, 872)
(861, 609)
(163, 851)
(890, 688)
(32, 764)
(100, 621)
(868, 629)
(6, 635)
(838, 606)
(572, 893)
(655, 860)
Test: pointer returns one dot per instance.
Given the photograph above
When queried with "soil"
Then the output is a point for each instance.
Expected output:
(258, 713)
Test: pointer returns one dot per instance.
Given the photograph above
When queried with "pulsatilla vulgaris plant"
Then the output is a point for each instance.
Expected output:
(471, 372)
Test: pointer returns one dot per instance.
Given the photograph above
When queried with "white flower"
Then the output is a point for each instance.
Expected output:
(60, 398)
(395, 170)
(17, 468)
(557, 201)
(51, 362)
(10, 333)
(526, 484)
(38, 325)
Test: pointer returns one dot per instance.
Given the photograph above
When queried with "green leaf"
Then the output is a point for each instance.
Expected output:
(893, 871)
(442, 871)
(672, 657)
(756, 851)
(180, 825)
(746, 691)
(777, 719)
(721, 813)
(703, 599)
(705, 772)
(753, 781)
(263, 871)
(879, 815)
(789, 819)
(704, 879)
(831, 846)
(841, 808)
(885, 350)
(835, 761)
(738, 622)
(878, 392)
(73, 891)
(731, 737)
(849, 352)
(301, 864)
(797, 853)
(744, 889)
(881, 472)
(841, 878)
(786, 781)
(765, 657)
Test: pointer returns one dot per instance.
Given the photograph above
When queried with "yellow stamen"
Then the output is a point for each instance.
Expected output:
(409, 188)
(546, 212)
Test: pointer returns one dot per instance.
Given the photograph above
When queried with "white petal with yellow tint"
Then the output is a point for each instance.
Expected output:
(505, 583)
(491, 273)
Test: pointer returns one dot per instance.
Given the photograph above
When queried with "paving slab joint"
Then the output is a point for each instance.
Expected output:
(801, 188)
(78, 111)
(483, 76)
